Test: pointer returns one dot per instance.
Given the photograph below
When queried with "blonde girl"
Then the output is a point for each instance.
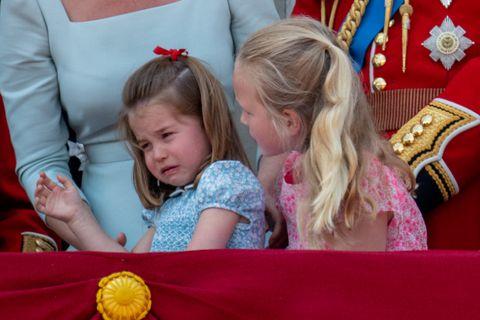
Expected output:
(190, 170)
(341, 185)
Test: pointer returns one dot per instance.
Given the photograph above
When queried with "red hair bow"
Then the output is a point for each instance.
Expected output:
(172, 53)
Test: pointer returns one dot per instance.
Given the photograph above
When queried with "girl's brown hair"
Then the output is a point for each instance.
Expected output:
(297, 64)
(188, 86)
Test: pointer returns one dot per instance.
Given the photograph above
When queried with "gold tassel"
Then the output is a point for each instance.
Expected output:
(388, 13)
(323, 16)
(332, 14)
(406, 11)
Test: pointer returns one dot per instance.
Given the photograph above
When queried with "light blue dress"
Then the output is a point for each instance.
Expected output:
(224, 184)
(54, 71)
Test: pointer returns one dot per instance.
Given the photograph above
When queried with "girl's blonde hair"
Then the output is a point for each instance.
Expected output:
(188, 86)
(297, 64)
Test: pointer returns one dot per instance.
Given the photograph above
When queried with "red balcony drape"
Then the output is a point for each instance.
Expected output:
(242, 284)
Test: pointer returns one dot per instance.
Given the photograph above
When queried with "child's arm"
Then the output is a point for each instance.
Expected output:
(145, 243)
(213, 229)
(66, 205)
(269, 169)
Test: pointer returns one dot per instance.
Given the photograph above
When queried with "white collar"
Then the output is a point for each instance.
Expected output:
(181, 190)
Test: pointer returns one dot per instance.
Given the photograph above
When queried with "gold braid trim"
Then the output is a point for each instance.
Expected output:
(438, 181)
(332, 14)
(445, 178)
(353, 20)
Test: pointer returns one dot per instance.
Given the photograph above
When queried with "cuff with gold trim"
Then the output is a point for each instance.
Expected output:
(37, 242)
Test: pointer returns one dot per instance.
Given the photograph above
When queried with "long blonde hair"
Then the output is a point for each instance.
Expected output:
(188, 86)
(297, 64)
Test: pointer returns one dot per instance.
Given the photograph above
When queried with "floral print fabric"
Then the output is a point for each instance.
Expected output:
(224, 184)
(406, 230)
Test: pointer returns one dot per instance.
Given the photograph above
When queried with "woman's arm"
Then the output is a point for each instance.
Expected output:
(214, 229)
(29, 85)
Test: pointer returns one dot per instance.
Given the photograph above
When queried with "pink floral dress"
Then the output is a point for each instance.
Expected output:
(406, 230)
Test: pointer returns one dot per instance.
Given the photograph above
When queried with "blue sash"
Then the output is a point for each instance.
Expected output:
(372, 23)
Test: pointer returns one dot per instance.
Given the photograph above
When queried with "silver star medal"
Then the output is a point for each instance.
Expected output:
(447, 43)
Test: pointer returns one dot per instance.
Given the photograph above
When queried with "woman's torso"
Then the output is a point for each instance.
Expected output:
(94, 58)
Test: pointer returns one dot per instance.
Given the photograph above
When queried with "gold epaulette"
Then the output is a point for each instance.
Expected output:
(422, 140)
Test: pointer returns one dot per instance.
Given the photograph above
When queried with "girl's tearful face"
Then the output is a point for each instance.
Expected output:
(174, 145)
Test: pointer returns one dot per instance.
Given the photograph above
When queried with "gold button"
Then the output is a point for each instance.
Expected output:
(380, 38)
(391, 23)
(408, 139)
(417, 130)
(398, 147)
(427, 120)
(379, 84)
(379, 60)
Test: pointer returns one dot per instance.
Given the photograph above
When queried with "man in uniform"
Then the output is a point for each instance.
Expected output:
(420, 63)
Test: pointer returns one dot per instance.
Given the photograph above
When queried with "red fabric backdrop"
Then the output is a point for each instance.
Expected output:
(236, 284)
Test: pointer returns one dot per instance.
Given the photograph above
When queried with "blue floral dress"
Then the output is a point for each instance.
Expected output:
(224, 184)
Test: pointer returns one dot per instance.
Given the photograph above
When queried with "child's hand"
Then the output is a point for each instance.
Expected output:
(276, 223)
(63, 203)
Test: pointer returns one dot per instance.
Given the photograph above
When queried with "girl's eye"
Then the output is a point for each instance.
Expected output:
(166, 134)
(144, 146)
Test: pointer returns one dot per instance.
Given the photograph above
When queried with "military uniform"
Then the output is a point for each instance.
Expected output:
(422, 89)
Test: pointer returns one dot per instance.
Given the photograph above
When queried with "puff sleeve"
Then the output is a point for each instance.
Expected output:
(230, 185)
(148, 217)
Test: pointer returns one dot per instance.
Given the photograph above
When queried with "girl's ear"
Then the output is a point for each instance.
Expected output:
(293, 122)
